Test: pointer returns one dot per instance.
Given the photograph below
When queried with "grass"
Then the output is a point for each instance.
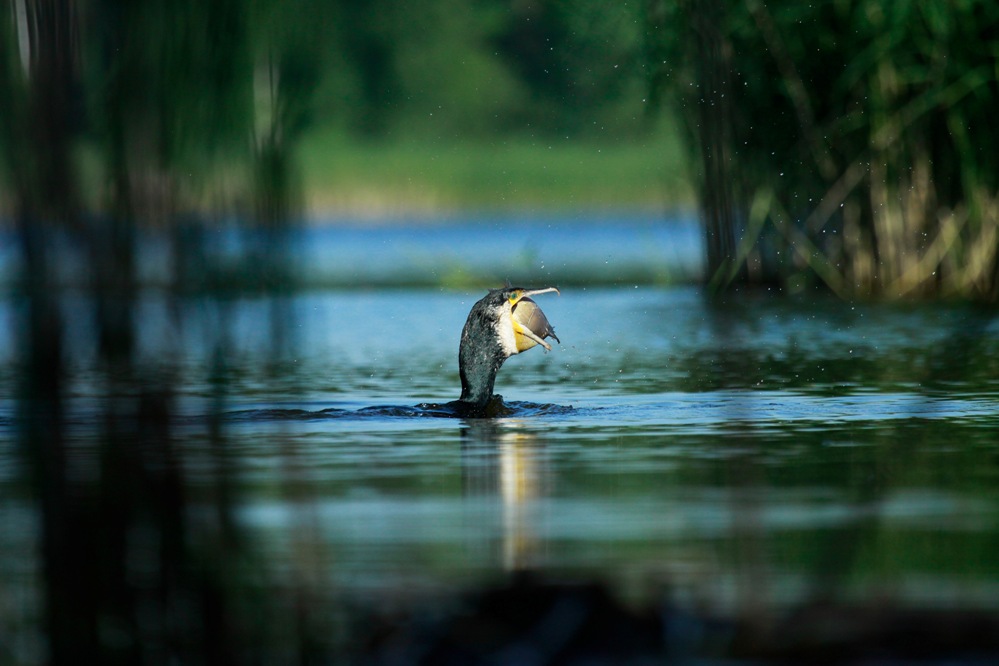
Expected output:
(343, 175)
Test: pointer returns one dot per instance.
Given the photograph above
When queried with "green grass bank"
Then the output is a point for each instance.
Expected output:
(344, 175)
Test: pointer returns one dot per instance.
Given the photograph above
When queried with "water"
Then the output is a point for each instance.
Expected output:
(787, 447)
(750, 453)
(583, 248)
(682, 429)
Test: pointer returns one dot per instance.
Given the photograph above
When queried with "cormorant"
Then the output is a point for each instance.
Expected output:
(503, 323)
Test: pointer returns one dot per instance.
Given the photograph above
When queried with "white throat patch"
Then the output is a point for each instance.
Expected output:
(507, 337)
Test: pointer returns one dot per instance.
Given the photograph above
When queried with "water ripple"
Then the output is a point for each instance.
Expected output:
(496, 409)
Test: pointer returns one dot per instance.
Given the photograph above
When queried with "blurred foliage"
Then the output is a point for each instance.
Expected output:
(192, 89)
(163, 105)
(452, 68)
(841, 142)
(120, 116)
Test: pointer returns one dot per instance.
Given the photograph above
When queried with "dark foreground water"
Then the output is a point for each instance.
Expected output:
(736, 456)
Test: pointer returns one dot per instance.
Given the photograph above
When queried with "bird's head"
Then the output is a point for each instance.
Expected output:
(519, 322)
(502, 323)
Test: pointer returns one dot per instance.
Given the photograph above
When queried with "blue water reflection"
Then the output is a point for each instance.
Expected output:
(584, 248)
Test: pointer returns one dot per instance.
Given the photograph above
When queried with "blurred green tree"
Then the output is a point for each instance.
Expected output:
(452, 68)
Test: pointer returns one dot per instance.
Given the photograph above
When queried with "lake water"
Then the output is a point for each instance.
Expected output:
(760, 446)
(742, 453)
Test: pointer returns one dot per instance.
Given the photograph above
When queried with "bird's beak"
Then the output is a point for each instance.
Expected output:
(535, 292)
(530, 325)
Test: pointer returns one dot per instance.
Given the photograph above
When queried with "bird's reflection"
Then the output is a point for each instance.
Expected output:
(504, 469)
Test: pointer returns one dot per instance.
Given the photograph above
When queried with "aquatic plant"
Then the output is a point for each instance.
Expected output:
(137, 561)
(840, 143)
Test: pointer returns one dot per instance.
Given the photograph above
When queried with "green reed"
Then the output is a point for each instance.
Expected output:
(841, 143)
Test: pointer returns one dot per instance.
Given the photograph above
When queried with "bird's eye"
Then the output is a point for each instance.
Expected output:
(514, 295)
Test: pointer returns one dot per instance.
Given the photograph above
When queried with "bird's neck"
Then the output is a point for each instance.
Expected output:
(478, 376)
(479, 359)
(480, 356)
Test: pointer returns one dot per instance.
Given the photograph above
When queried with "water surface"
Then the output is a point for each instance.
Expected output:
(756, 450)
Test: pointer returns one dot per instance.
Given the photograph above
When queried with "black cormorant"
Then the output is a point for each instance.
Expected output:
(503, 323)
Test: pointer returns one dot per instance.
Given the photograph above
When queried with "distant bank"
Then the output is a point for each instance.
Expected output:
(379, 178)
